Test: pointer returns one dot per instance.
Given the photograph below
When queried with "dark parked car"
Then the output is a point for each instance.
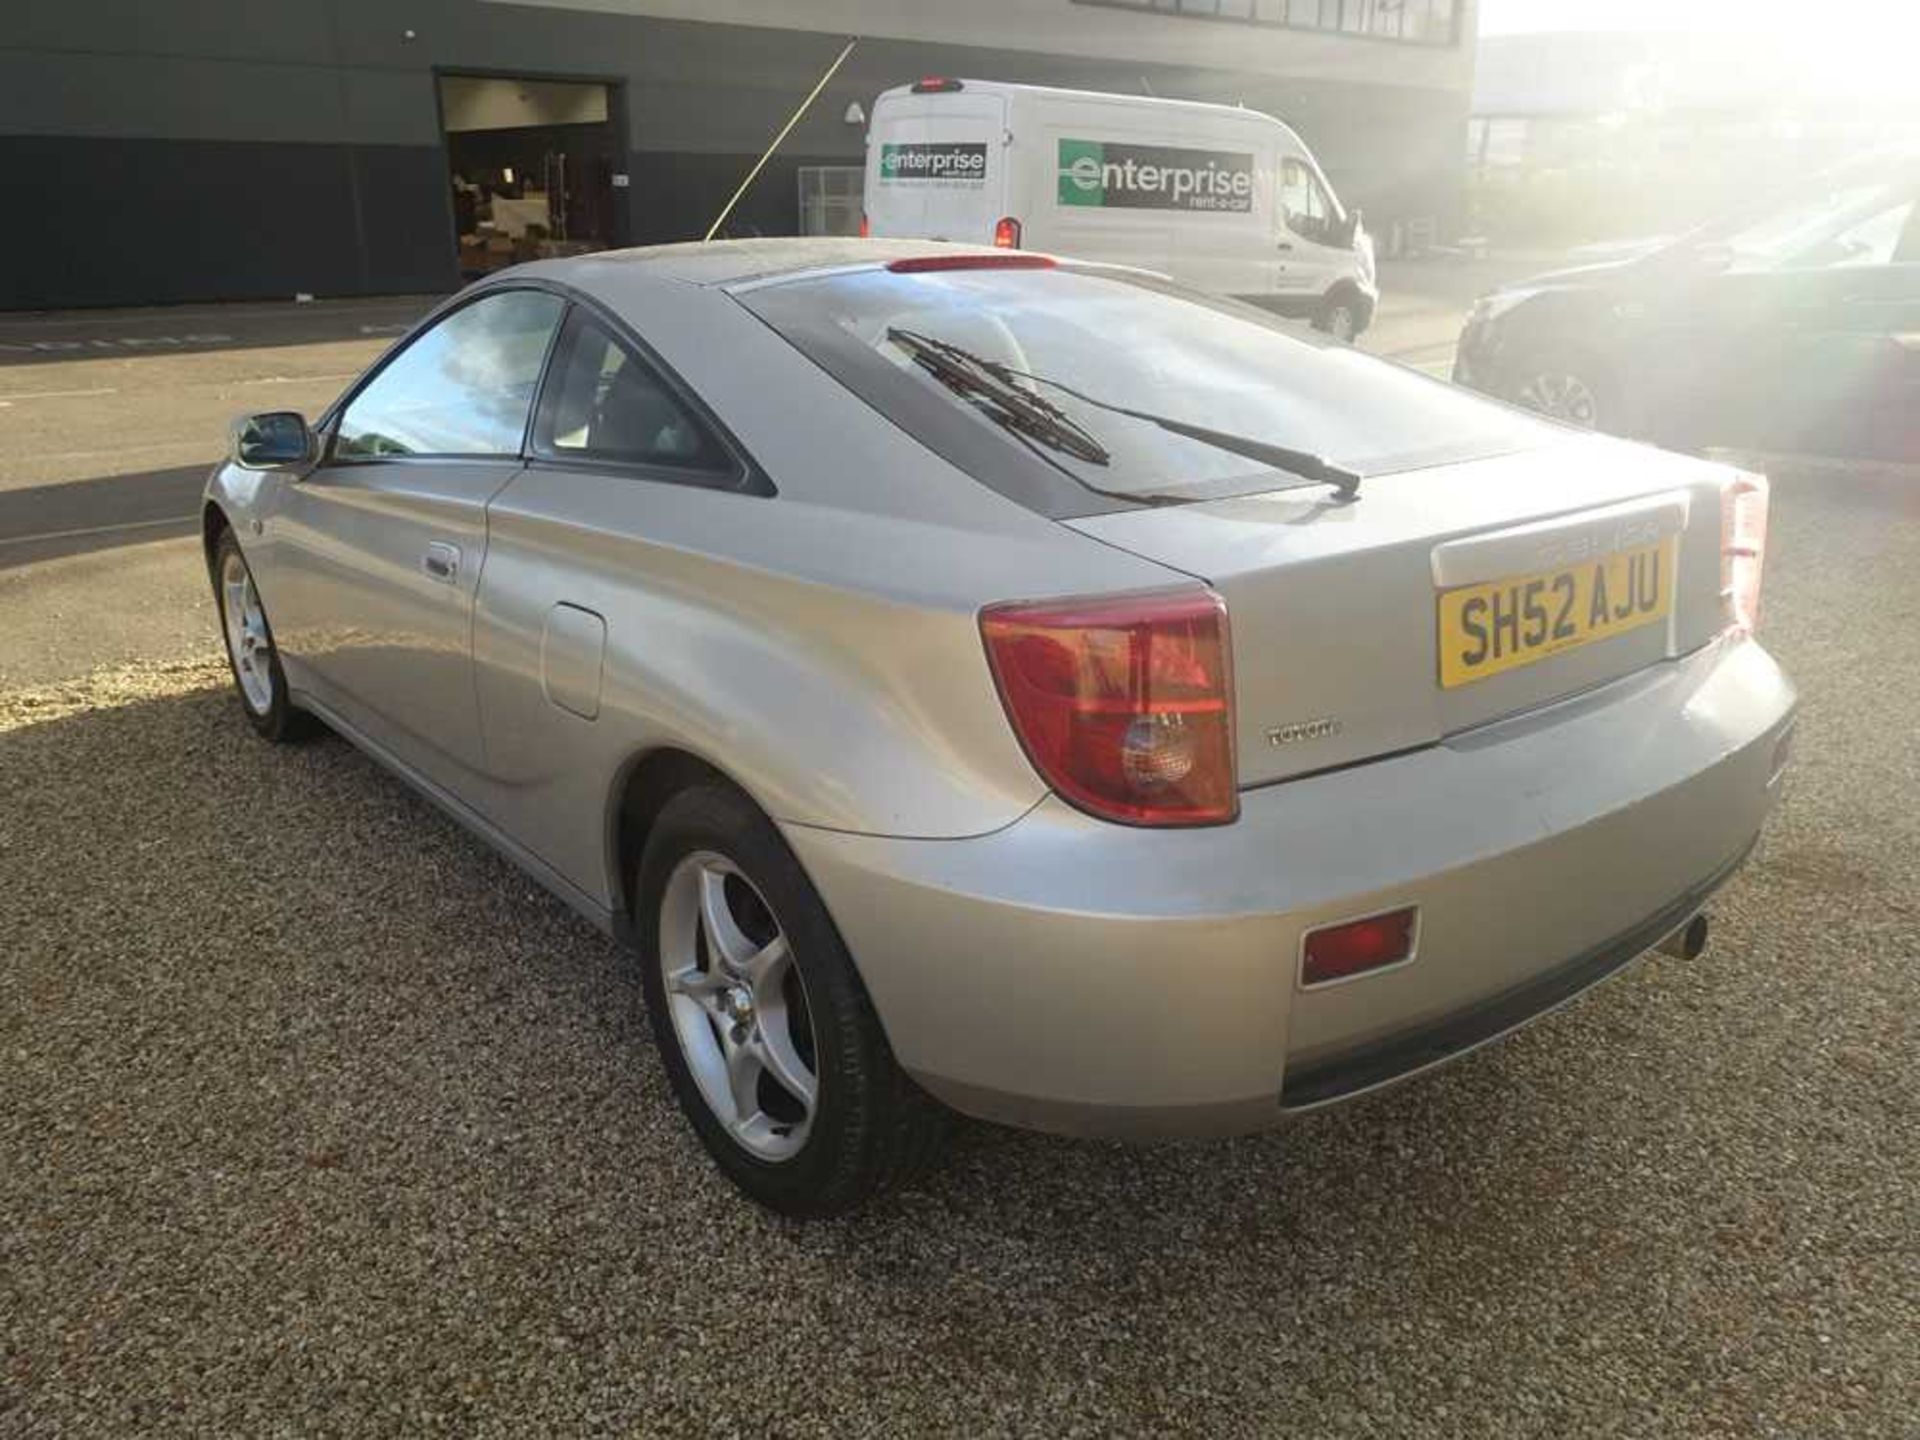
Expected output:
(1789, 327)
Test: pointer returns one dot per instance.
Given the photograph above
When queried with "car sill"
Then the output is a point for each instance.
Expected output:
(551, 880)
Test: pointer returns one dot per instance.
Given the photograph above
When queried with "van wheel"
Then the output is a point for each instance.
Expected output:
(1340, 316)
(766, 1033)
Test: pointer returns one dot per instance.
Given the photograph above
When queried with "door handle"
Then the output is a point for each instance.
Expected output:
(1286, 245)
(442, 562)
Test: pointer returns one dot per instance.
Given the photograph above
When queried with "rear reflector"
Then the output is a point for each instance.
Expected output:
(1124, 703)
(1353, 947)
(1006, 233)
(1743, 548)
(926, 264)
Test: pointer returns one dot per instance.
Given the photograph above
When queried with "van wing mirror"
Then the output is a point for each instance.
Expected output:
(1350, 229)
(272, 440)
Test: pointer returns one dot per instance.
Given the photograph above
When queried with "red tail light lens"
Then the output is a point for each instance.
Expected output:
(866, 226)
(977, 260)
(1354, 947)
(1124, 704)
(1006, 233)
(1743, 548)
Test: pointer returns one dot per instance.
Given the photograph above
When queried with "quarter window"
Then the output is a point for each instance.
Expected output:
(462, 388)
(605, 403)
(1874, 240)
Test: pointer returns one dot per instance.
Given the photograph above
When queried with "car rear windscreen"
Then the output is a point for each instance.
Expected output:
(1141, 344)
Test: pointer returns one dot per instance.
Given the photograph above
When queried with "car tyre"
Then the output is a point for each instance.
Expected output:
(252, 659)
(1343, 315)
(746, 1021)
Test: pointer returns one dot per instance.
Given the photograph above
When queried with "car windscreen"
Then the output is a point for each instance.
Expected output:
(1140, 344)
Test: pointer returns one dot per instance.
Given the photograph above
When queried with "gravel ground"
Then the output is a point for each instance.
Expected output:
(316, 1117)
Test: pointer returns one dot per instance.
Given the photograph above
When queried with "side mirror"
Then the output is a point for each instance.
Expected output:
(1350, 229)
(272, 440)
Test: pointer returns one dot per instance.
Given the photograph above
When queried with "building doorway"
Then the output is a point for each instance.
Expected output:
(536, 167)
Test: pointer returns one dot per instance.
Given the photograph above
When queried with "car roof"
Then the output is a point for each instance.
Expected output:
(1167, 104)
(735, 262)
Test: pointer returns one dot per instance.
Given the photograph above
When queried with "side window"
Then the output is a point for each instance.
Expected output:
(462, 388)
(1303, 202)
(1873, 240)
(603, 402)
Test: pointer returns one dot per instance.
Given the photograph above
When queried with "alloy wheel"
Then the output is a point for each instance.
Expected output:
(248, 642)
(738, 1006)
(1563, 396)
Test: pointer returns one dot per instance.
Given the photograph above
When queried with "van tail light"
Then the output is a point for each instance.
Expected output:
(866, 226)
(1123, 703)
(1006, 233)
(1743, 548)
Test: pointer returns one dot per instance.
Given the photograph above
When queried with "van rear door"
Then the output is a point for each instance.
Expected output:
(937, 165)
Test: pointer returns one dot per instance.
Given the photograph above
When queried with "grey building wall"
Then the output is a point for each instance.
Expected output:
(177, 150)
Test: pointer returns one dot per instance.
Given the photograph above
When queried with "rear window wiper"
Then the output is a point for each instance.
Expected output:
(1013, 405)
(1311, 468)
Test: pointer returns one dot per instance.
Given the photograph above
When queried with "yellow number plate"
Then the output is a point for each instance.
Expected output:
(1503, 624)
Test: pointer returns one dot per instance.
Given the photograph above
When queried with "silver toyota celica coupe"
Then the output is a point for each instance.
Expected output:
(976, 680)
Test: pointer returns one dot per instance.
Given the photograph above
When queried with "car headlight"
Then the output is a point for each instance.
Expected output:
(1491, 307)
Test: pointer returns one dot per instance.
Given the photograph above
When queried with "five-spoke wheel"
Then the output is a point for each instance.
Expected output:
(739, 1005)
(243, 624)
(765, 1030)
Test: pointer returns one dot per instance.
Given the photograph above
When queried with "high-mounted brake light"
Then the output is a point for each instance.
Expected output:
(926, 264)
(1006, 233)
(936, 85)
(1743, 548)
(1354, 947)
(1123, 703)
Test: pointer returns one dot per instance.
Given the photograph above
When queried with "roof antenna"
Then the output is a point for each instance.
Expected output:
(785, 130)
(1146, 87)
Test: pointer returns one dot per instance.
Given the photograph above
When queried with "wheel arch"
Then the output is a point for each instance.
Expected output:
(641, 789)
(213, 522)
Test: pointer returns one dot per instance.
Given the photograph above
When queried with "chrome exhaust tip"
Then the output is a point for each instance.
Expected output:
(1688, 941)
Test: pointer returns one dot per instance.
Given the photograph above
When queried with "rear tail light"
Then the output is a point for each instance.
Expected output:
(1354, 947)
(973, 260)
(1006, 233)
(866, 226)
(1125, 703)
(1743, 548)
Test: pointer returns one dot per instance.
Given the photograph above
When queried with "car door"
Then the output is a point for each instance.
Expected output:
(1802, 343)
(1309, 263)
(592, 548)
(376, 554)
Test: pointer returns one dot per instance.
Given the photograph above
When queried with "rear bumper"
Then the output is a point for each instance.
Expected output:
(1069, 975)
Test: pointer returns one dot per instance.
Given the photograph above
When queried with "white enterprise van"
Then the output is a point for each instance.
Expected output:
(1224, 199)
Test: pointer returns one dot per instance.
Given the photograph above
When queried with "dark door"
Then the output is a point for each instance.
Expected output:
(1805, 342)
